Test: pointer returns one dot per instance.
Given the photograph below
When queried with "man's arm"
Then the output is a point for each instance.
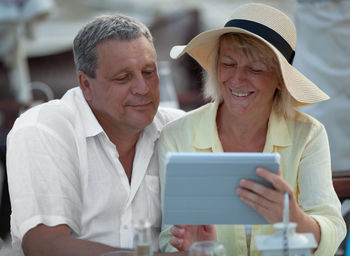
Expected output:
(52, 241)
(56, 241)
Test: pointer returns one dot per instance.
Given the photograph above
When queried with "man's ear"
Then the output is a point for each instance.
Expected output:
(85, 85)
(279, 86)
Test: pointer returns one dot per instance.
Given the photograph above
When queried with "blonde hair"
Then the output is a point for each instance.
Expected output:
(252, 48)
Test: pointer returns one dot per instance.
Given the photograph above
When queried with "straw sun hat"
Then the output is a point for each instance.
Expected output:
(272, 27)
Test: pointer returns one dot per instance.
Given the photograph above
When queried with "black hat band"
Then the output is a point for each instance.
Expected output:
(267, 33)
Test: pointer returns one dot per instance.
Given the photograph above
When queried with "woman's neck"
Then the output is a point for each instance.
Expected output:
(242, 133)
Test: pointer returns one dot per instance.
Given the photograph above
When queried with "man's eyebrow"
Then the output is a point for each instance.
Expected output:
(150, 64)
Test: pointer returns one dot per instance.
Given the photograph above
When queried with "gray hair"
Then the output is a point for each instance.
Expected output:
(251, 48)
(102, 28)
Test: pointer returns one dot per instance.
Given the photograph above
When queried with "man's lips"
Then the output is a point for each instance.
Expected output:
(139, 104)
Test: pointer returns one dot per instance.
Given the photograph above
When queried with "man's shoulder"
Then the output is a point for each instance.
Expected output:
(52, 115)
(166, 115)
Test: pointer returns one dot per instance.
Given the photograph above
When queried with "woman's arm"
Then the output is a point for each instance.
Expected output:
(269, 202)
(315, 207)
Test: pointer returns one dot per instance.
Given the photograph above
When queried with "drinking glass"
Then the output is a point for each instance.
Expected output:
(207, 248)
(142, 238)
(119, 253)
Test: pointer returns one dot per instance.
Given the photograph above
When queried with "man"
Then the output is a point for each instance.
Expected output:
(81, 169)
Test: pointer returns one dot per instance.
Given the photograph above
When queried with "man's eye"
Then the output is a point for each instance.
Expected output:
(257, 70)
(148, 72)
(121, 78)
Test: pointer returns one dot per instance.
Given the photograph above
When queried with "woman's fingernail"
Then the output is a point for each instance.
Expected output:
(175, 241)
(176, 231)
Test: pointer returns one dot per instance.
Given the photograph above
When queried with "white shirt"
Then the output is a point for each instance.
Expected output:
(63, 169)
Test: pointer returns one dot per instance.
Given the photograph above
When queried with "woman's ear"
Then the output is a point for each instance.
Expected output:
(85, 85)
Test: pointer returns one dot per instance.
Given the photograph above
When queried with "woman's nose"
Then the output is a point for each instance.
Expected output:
(238, 75)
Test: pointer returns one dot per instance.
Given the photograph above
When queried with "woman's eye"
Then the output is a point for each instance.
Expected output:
(258, 68)
(228, 64)
(255, 70)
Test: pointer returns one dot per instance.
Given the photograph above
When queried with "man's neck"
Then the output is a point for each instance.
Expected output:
(124, 138)
(125, 143)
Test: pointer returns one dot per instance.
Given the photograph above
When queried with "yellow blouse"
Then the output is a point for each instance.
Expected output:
(305, 164)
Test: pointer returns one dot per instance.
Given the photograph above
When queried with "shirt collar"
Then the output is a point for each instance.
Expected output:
(153, 130)
(90, 124)
(207, 135)
(277, 133)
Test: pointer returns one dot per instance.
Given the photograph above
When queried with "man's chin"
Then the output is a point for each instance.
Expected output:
(143, 119)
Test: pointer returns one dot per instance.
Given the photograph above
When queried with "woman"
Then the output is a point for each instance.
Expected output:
(255, 92)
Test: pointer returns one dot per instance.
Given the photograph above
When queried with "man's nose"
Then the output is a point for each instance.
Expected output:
(140, 86)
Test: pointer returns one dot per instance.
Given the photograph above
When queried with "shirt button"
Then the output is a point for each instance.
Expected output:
(125, 227)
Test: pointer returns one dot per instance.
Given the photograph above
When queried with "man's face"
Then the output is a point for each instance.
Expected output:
(125, 92)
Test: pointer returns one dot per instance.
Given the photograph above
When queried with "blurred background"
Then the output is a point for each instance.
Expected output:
(37, 48)
(36, 60)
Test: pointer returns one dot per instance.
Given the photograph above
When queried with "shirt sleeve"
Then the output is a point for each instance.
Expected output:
(316, 193)
(164, 146)
(43, 179)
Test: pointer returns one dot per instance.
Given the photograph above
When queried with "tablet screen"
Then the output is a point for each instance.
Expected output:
(200, 188)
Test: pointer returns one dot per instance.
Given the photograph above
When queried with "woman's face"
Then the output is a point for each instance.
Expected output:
(247, 86)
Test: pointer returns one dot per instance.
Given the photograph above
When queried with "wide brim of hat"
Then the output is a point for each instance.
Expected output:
(202, 47)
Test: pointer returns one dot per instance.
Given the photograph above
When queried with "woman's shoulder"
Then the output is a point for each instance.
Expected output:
(306, 119)
(303, 124)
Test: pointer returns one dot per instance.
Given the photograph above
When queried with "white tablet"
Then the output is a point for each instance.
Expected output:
(200, 188)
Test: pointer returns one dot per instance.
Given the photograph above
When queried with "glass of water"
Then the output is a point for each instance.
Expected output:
(142, 238)
(119, 253)
(207, 248)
